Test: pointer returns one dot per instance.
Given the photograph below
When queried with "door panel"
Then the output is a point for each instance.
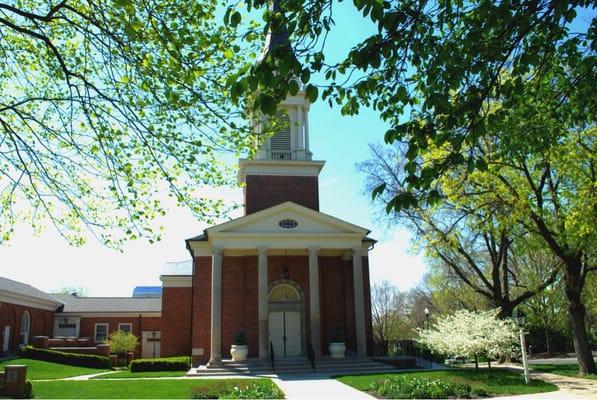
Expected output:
(150, 347)
(276, 332)
(293, 333)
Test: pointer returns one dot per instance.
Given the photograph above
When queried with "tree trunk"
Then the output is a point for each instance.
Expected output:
(476, 364)
(547, 341)
(488, 363)
(577, 313)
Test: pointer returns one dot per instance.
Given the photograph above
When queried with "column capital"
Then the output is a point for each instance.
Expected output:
(356, 250)
(262, 249)
(314, 250)
(217, 251)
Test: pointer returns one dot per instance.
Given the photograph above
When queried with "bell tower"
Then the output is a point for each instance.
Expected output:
(283, 168)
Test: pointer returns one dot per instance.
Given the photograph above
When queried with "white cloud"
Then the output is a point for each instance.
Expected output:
(392, 260)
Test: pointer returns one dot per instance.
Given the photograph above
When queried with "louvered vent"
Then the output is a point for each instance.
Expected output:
(281, 140)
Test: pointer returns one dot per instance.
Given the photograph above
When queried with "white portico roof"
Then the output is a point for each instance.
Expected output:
(285, 226)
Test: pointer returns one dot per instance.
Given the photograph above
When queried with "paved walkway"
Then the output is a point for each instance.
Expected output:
(570, 387)
(316, 386)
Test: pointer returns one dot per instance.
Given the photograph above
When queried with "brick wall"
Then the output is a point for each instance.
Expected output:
(176, 321)
(264, 191)
(138, 324)
(41, 323)
(201, 324)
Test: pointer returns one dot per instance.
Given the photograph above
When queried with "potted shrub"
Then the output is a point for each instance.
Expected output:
(337, 343)
(239, 348)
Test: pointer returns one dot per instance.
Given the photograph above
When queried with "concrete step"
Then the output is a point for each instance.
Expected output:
(293, 366)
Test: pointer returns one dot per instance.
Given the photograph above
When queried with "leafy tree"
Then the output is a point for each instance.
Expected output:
(429, 69)
(458, 235)
(472, 334)
(104, 105)
(389, 309)
(122, 342)
(72, 290)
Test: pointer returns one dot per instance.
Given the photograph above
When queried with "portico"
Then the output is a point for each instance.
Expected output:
(312, 241)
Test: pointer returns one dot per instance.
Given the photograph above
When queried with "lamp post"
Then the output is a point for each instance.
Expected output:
(520, 319)
(426, 311)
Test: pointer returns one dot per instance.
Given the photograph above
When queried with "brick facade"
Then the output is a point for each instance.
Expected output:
(264, 191)
(41, 323)
(176, 321)
(239, 299)
(138, 325)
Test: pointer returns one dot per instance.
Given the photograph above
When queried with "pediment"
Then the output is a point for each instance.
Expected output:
(288, 219)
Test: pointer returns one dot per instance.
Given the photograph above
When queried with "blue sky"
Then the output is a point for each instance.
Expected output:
(47, 262)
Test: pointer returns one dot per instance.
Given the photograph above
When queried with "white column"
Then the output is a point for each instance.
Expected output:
(216, 307)
(301, 130)
(263, 312)
(314, 301)
(359, 302)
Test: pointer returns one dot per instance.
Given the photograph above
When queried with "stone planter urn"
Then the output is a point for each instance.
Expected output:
(239, 349)
(337, 350)
(337, 341)
(239, 352)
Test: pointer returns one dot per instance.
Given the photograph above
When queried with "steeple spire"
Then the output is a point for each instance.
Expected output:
(277, 36)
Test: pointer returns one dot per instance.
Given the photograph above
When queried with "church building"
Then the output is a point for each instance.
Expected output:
(284, 273)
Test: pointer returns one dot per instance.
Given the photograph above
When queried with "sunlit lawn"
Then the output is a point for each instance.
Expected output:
(37, 369)
(141, 389)
(494, 382)
(561, 369)
(127, 374)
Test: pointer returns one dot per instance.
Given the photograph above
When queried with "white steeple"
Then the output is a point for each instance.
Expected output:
(291, 138)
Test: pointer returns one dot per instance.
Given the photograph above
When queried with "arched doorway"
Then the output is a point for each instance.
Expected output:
(286, 318)
(25, 327)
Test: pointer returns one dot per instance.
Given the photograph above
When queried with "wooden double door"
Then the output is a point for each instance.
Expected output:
(285, 333)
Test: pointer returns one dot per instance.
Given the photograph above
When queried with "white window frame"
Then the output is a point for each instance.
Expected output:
(130, 325)
(95, 330)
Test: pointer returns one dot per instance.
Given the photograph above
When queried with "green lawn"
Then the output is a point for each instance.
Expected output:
(151, 389)
(564, 369)
(37, 369)
(127, 374)
(494, 382)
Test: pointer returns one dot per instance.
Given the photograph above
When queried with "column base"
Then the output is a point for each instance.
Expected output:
(214, 362)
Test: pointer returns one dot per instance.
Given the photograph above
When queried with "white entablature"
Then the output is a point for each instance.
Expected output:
(286, 226)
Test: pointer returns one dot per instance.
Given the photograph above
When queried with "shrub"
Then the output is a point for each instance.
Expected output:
(61, 357)
(337, 335)
(161, 364)
(237, 390)
(405, 387)
(240, 339)
(122, 342)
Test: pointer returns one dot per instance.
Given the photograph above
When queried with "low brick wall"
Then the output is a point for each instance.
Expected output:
(44, 342)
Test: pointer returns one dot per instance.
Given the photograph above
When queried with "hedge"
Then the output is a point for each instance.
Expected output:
(61, 357)
(161, 364)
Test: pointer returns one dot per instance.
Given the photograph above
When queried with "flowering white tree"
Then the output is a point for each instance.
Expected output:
(472, 334)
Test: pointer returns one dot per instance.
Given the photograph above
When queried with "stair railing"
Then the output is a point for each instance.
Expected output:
(311, 354)
(271, 356)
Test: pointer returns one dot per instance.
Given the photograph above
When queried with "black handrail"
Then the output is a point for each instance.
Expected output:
(271, 356)
(311, 354)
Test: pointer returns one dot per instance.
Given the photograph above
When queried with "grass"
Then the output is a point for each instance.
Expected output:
(37, 369)
(127, 374)
(134, 389)
(562, 369)
(494, 382)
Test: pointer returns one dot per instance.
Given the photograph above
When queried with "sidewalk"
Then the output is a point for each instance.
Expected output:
(570, 387)
(316, 386)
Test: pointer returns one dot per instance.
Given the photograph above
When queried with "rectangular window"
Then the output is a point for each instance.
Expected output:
(101, 333)
(126, 327)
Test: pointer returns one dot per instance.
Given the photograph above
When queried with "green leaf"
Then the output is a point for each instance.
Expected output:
(268, 104)
(378, 191)
(293, 87)
(235, 19)
(312, 93)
